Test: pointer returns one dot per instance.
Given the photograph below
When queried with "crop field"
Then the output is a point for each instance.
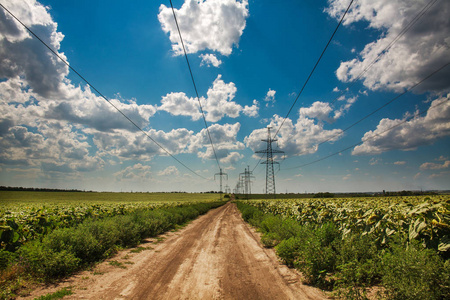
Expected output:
(24, 215)
(348, 245)
(426, 218)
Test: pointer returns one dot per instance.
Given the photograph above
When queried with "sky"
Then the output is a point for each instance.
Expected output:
(370, 117)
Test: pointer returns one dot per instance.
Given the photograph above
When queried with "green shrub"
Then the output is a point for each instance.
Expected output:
(289, 250)
(79, 241)
(129, 231)
(6, 258)
(317, 256)
(359, 262)
(413, 272)
(106, 233)
(47, 263)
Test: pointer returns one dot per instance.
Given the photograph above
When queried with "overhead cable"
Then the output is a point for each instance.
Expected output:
(381, 107)
(101, 95)
(370, 138)
(314, 68)
(195, 86)
(389, 46)
(310, 74)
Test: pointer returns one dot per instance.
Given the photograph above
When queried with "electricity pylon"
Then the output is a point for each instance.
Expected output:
(246, 179)
(220, 176)
(270, 175)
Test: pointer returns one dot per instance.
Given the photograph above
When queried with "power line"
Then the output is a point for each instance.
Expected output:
(402, 32)
(195, 86)
(101, 95)
(314, 68)
(388, 47)
(381, 107)
(310, 74)
(370, 138)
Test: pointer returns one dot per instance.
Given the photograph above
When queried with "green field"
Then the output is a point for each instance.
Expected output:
(25, 215)
(17, 198)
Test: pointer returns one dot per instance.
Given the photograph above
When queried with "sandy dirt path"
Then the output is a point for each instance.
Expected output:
(217, 256)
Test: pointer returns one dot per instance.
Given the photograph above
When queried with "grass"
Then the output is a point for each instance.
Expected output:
(118, 264)
(56, 295)
(57, 198)
(140, 249)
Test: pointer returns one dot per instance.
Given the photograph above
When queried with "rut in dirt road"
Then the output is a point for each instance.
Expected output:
(217, 256)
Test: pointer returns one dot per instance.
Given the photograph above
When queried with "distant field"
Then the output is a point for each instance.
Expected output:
(15, 198)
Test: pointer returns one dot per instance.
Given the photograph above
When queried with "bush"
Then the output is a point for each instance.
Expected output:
(289, 250)
(47, 263)
(80, 241)
(415, 273)
(359, 262)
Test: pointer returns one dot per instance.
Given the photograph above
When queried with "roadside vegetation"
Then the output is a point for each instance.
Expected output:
(65, 239)
(391, 248)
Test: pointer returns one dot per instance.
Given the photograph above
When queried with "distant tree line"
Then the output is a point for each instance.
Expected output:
(11, 188)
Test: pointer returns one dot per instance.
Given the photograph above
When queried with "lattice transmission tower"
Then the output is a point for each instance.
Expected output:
(270, 175)
(220, 174)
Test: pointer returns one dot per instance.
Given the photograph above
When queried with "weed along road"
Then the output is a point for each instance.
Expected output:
(217, 256)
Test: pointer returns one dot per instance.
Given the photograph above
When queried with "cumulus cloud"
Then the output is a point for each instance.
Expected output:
(210, 60)
(270, 98)
(300, 138)
(410, 134)
(218, 103)
(433, 166)
(400, 163)
(223, 137)
(169, 171)
(232, 158)
(24, 56)
(347, 177)
(216, 25)
(421, 50)
(178, 104)
(136, 172)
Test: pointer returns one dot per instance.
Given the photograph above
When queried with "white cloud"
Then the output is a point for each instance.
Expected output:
(136, 172)
(318, 110)
(223, 137)
(420, 51)
(178, 104)
(251, 111)
(24, 56)
(270, 98)
(294, 139)
(215, 25)
(169, 171)
(218, 104)
(400, 163)
(374, 161)
(210, 60)
(411, 134)
(433, 166)
(232, 158)
(347, 177)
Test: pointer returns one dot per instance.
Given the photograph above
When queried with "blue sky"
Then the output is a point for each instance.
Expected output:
(249, 60)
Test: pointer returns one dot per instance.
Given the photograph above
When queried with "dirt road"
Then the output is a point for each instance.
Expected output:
(217, 256)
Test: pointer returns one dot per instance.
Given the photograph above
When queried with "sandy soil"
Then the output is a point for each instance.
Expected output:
(217, 256)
